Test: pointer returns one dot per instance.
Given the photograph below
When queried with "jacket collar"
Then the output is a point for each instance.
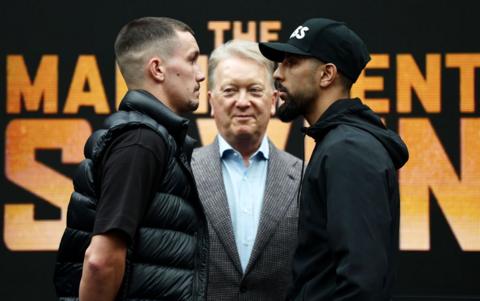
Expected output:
(263, 150)
(332, 117)
(145, 103)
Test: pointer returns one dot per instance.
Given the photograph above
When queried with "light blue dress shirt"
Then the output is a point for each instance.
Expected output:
(245, 188)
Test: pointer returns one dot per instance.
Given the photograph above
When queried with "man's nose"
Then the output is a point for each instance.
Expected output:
(242, 100)
(276, 74)
(200, 77)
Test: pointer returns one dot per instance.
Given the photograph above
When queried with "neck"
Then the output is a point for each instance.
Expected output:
(246, 146)
(323, 102)
(160, 95)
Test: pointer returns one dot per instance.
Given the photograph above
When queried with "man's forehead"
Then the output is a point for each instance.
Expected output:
(186, 41)
(241, 64)
(236, 80)
(227, 72)
(302, 59)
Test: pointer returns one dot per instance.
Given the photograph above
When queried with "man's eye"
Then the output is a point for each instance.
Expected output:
(289, 61)
(229, 91)
(193, 59)
(258, 92)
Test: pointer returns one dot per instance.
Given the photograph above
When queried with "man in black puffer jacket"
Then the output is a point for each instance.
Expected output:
(350, 206)
(136, 229)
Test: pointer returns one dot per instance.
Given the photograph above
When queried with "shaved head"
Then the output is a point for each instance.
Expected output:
(143, 38)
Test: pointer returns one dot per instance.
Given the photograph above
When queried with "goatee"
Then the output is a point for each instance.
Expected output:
(288, 110)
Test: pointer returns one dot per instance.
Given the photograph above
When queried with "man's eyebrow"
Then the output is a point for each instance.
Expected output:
(195, 54)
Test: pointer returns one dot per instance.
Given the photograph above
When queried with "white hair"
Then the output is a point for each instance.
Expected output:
(240, 49)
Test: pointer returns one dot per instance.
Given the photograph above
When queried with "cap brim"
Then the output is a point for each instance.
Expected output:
(276, 51)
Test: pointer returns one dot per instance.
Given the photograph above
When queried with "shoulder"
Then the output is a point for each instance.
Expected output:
(284, 157)
(287, 157)
(123, 121)
(142, 136)
(345, 139)
(205, 152)
(354, 148)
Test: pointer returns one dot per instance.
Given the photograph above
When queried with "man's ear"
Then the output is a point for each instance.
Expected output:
(328, 74)
(156, 69)
(209, 97)
(274, 103)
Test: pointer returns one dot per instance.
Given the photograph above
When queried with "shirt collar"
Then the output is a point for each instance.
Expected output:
(263, 151)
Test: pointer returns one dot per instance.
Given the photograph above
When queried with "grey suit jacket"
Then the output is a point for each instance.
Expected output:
(268, 273)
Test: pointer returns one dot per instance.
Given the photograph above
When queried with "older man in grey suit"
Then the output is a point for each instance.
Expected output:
(247, 186)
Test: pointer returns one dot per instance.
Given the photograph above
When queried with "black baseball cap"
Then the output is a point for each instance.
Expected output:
(327, 40)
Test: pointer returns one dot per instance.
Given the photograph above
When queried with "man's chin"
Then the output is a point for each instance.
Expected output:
(288, 111)
(244, 134)
(192, 105)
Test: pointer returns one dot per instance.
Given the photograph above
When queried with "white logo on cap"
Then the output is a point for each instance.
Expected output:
(299, 33)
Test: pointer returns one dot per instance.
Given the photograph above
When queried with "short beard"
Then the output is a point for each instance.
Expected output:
(295, 106)
(193, 105)
(190, 107)
(289, 110)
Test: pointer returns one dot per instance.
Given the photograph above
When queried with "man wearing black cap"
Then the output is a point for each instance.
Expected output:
(349, 210)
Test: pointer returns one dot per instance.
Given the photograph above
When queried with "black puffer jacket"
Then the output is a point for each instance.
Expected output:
(168, 258)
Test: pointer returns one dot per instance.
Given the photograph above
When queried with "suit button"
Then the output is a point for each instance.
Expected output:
(243, 288)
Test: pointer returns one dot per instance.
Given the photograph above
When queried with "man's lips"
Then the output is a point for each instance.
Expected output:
(282, 94)
(282, 97)
(243, 116)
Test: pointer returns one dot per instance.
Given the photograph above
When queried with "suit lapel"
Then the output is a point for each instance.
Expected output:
(210, 183)
(279, 193)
